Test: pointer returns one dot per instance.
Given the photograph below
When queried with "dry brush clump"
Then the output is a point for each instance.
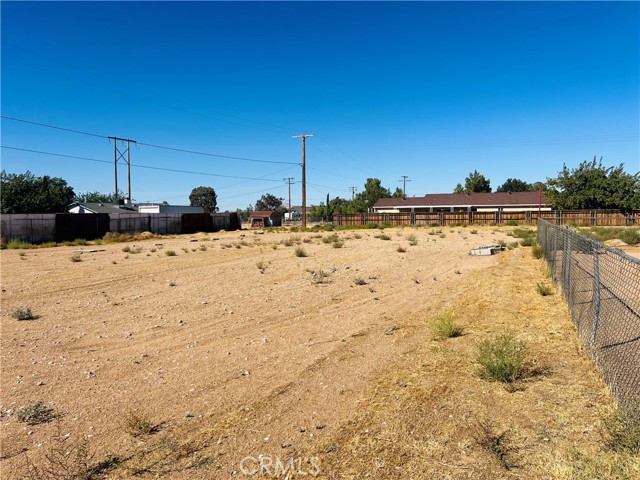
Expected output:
(497, 443)
(23, 313)
(34, 413)
(501, 359)
(444, 326)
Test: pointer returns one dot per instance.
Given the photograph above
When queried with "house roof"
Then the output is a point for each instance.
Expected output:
(104, 207)
(463, 200)
(263, 214)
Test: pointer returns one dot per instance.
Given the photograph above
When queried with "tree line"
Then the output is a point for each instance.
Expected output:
(591, 185)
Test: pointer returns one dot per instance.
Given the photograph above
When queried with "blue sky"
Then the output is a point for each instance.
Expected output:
(431, 90)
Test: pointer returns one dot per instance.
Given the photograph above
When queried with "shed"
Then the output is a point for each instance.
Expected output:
(265, 219)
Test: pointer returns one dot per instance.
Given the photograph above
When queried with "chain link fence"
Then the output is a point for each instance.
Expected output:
(602, 288)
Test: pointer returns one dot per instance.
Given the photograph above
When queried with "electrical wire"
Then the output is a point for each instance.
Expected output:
(193, 152)
(149, 167)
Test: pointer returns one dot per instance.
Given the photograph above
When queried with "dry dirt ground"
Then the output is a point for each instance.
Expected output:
(242, 355)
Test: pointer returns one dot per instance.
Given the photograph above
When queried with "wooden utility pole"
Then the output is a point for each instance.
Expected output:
(289, 181)
(304, 177)
(120, 154)
(404, 181)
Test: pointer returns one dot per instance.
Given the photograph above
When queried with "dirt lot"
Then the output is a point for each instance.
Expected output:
(235, 347)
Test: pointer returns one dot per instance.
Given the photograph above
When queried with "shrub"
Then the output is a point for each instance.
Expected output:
(300, 252)
(23, 313)
(413, 240)
(331, 238)
(76, 258)
(543, 289)
(338, 244)
(383, 236)
(34, 413)
(203, 247)
(501, 359)
(443, 326)
(262, 266)
(528, 241)
(170, 253)
(511, 223)
(473, 232)
(320, 276)
(359, 281)
(137, 424)
(401, 249)
(126, 249)
(537, 251)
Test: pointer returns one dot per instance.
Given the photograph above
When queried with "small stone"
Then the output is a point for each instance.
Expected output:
(391, 329)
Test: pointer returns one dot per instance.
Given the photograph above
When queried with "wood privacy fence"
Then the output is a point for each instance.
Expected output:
(558, 217)
(59, 227)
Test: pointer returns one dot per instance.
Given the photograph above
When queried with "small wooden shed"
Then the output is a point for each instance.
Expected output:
(265, 219)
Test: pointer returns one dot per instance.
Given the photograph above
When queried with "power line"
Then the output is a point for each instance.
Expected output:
(193, 152)
(149, 167)
(215, 155)
(53, 126)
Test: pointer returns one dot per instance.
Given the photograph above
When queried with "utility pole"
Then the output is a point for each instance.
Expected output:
(353, 192)
(404, 181)
(120, 154)
(304, 177)
(289, 181)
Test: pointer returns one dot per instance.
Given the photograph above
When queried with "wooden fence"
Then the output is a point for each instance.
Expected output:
(560, 217)
(58, 227)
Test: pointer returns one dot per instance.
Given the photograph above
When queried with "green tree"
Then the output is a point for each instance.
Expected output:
(398, 193)
(373, 191)
(592, 186)
(459, 188)
(477, 183)
(204, 197)
(269, 202)
(26, 193)
(515, 185)
(98, 197)
(244, 214)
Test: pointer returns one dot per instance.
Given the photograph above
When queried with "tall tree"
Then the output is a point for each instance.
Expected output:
(592, 185)
(459, 188)
(26, 193)
(373, 191)
(515, 185)
(204, 197)
(269, 202)
(477, 183)
(398, 193)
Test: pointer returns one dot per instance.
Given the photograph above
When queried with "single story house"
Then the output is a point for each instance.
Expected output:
(265, 219)
(160, 208)
(464, 202)
(78, 207)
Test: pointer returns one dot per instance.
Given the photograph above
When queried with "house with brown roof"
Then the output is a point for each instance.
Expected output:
(265, 219)
(464, 202)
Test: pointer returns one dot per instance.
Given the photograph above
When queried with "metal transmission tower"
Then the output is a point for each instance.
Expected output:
(124, 154)
(353, 192)
(304, 177)
(404, 181)
(289, 181)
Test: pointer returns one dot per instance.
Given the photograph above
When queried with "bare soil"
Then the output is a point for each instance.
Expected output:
(236, 348)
